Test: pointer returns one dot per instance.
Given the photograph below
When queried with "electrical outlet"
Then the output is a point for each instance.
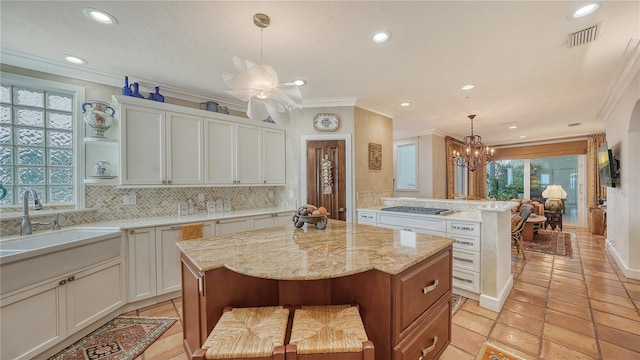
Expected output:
(201, 197)
(270, 194)
(130, 199)
(291, 194)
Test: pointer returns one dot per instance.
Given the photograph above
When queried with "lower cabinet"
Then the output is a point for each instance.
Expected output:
(47, 313)
(271, 220)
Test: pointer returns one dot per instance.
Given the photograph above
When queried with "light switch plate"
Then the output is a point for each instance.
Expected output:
(201, 197)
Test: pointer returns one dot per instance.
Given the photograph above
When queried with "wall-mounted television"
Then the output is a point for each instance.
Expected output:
(608, 166)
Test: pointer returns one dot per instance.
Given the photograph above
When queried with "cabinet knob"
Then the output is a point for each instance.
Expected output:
(164, 182)
(169, 182)
(132, 231)
(62, 282)
(217, 221)
(265, 181)
(71, 278)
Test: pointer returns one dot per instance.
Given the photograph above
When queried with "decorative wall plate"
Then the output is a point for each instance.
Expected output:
(326, 122)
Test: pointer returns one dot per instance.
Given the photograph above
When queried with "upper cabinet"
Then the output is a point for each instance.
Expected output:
(163, 144)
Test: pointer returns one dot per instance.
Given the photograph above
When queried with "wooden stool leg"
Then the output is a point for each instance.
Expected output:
(368, 351)
(521, 246)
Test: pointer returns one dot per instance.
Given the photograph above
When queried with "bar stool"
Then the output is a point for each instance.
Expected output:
(256, 333)
(329, 332)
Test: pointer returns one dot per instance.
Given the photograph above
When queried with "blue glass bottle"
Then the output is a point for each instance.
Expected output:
(125, 89)
(135, 92)
(157, 96)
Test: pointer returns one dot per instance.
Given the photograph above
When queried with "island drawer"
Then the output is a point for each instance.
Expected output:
(466, 280)
(421, 286)
(367, 218)
(412, 222)
(466, 260)
(463, 228)
(465, 242)
(429, 338)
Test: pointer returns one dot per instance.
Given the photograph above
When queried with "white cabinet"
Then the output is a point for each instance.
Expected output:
(366, 217)
(271, 220)
(238, 153)
(154, 147)
(38, 317)
(283, 218)
(154, 259)
(417, 224)
(234, 225)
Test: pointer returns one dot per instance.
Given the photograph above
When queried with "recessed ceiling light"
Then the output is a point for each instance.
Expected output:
(585, 10)
(74, 59)
(100, 16)
(468, 87)
(522, 136)
(381, 36)
(513, 127)
(405, 104)
(300, 82)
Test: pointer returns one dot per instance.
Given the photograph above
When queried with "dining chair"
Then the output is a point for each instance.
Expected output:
(517, 228)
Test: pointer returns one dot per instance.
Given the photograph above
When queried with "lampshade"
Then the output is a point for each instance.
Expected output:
(554, 195)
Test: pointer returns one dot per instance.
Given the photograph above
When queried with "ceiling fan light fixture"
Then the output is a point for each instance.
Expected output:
(381, 36)
(100, 16)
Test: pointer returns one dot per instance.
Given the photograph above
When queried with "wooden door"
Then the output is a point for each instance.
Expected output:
(336, 201)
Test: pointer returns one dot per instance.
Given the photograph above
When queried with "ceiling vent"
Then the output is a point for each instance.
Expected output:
(584, 36)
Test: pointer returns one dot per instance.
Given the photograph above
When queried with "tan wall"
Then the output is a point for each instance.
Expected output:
(370, 184)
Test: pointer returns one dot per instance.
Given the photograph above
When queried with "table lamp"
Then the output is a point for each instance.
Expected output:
(554, 195)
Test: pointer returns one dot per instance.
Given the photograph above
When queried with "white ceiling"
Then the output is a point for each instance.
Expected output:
(515, 52)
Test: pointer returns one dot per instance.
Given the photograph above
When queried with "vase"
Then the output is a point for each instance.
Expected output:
(135, 90)
(157, 96)
(125, 89)
(99, 115)
(102, 168)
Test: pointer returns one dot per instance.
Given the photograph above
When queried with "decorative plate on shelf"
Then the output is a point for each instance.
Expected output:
(326, 122)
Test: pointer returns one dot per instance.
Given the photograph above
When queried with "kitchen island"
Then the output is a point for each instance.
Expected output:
(400, 280)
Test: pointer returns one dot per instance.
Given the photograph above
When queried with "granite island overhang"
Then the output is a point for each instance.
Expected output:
(401, 280)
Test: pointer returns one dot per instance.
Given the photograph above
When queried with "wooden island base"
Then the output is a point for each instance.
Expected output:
(403, 314)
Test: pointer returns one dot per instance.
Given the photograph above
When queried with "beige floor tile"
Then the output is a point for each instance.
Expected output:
(611, 290)
(454, 353)
(584, 327)
(522, 296)
(515, 338)
(570, 298)
(553, 351)
(473, 322)
(466, 340)
(611, 351)
(629, 313)
(568, 274)
(531, 289)
(569, 309)
(571, 339)
(590, 279)
(521, 322)
(600, 274)
(580, 290)
(544, 283)
(546, 275)
(617, 300)
(618, 322)
(532, 311)
(474, 307)
(618, 337)
(568, 280)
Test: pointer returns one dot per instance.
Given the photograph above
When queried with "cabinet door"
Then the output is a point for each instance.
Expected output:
(262, 221)
(283, 218)
(142, 146)
(168, 258)
(274, 156)
(94, 293)
(142, 263)
(184, 149)
(249, 155)
(220, 150)
(32, 321)
(230, 226)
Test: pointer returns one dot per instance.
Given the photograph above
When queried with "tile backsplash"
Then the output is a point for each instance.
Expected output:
(108, 202)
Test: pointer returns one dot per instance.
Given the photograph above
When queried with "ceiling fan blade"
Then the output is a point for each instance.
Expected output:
(256, 110)
(283, 97)
(259, 78)
(242, 64)
(281, 119)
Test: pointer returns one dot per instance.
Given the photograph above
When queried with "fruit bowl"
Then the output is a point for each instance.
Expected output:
(311, 215)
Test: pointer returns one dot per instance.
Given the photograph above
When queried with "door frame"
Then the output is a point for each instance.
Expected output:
(348, 167)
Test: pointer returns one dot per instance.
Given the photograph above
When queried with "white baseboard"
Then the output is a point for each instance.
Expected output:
(496, 303)
(630, 273)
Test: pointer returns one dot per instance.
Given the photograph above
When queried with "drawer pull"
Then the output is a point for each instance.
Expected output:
(461, 279)
(429, 349)
(431, 287)
(464, 242)
(461, 259)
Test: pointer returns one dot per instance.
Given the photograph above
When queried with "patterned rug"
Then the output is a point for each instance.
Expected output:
(123, 338)
(492, 352)
(550, 242)
(456, 303)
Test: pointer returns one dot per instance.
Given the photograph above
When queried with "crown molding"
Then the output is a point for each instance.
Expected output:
(410, 134)
(328, 102)
(628, 68)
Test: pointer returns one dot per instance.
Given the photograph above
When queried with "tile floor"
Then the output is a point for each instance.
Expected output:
(560, 308)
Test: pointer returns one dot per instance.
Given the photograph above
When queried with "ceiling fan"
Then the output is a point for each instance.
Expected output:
(258, 85)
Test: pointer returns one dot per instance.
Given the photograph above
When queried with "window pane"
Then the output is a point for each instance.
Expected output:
(60, 139)
(5, 114)
(22, 96)
(31, 156)
(505, 179)
(59, 120)
(60, 157)
(407, 166)
(33, 176)
(5, 135)
(7, 200)
(30, 137)
(59, 102)
(6, 176)
(29, 117)
(561, 171)
(6, 155)
(60, 194)
(5, 94)
(60, 176)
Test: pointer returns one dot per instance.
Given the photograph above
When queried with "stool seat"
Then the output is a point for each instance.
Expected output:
(333, 329)
(248, 333)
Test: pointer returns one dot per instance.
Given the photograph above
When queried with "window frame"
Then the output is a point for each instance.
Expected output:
(78, 94)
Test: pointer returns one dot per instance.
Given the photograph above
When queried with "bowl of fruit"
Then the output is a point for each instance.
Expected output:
(312, 215)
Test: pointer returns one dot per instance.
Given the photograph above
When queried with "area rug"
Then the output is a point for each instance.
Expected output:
(123, 338)
(550, 242)
(491, 352)
(456, 303)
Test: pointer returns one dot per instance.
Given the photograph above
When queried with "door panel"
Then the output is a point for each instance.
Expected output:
(335, 202)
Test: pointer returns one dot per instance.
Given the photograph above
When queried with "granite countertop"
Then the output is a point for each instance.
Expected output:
(288, 253)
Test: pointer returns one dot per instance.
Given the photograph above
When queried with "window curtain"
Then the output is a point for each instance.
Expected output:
(477, 184)
(594, 190)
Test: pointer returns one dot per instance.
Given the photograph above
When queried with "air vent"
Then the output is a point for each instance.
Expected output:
(573, 124)
(584, 36)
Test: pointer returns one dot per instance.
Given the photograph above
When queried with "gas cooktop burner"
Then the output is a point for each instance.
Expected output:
(418, 210)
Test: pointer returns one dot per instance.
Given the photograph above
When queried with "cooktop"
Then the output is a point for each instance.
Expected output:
(418, 210)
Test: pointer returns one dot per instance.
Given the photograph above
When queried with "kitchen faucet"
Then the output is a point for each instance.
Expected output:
(25, 226)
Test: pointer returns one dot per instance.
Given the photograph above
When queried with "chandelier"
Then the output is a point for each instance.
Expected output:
(474, 153)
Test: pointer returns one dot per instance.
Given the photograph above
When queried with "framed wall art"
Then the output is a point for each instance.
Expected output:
(375, 156)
